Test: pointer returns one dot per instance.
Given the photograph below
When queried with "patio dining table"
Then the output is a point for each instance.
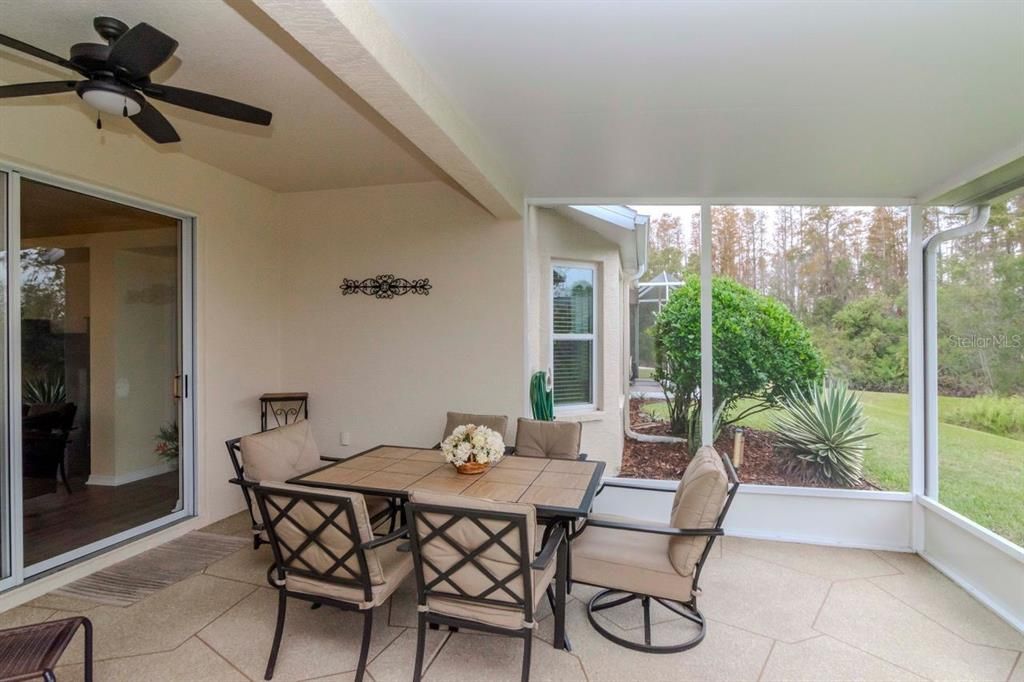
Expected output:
(562, 491)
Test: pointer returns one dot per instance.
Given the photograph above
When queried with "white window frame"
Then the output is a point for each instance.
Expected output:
(571, 408)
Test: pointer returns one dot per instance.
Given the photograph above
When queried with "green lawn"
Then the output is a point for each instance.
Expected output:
(980, 475)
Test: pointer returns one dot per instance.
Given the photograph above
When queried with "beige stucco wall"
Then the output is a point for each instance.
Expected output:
(237, 264)
(388, 370)
(553, 237)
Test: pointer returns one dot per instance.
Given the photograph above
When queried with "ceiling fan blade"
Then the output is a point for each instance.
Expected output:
(209, 104)
(16, 44)
(28, 89)
(153, 123)
(139, 51)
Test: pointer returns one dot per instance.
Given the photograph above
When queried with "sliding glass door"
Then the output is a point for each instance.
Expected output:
(99, 327)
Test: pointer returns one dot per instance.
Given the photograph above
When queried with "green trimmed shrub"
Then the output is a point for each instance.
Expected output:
(760, 352)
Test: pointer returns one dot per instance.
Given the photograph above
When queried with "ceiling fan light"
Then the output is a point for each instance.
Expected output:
(113, 103)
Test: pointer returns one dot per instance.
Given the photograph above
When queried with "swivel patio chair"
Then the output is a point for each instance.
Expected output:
(475, 568)
(637, 560)
(282, 454)
(325, 552)
(30, 652)
(555, 440)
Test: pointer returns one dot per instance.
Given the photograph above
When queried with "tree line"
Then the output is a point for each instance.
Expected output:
(842, 271)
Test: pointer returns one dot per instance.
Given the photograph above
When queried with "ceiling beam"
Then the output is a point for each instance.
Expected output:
(357, 45)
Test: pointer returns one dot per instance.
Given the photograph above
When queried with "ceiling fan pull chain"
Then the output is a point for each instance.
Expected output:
(124, 109)
(99, 123)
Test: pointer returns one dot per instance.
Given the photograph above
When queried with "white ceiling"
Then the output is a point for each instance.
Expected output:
(322, 135)
(754, 98)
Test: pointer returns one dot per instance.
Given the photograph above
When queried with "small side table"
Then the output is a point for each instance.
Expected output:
(285, 408)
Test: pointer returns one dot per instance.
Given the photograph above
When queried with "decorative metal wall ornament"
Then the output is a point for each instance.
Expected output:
(385, 286)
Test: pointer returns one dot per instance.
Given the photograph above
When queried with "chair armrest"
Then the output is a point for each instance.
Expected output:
(648, 488)
(547, 553)
(325, 458)
(657, 530)
(390, 537)
(244, 483)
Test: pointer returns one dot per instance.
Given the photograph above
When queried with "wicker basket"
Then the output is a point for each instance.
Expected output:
(472, 468)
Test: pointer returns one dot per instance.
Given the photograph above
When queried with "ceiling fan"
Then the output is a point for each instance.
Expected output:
(117, 77)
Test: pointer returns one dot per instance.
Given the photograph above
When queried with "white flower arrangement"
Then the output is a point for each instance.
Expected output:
(471, 443)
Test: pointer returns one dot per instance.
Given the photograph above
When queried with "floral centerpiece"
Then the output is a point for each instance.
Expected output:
(471, 449)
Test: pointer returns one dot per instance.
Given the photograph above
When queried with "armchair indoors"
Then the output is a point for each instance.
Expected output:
(638, 560)
(279, 455)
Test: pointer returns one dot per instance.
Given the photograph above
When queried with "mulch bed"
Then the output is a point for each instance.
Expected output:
(668, 460)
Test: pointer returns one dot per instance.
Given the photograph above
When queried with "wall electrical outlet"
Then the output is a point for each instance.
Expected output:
(346, 438)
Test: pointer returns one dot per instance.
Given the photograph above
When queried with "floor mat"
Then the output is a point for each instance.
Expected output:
(133, 579)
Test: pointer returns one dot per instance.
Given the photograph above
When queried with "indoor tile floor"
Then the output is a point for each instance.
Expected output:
(777, 611)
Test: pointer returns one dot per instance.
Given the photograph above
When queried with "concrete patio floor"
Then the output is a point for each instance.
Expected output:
(776, 611)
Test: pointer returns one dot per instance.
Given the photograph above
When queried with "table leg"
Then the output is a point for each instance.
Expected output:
(561, 579)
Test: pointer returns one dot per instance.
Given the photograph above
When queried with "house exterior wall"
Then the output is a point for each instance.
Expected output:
(237, 269)
(554, 238)
(386, 371)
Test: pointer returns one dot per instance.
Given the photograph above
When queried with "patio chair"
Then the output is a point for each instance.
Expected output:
(279, 455)
(29, 652)
(555, 440)
(325, 552)
(475, 569)
(496, 422)
(639, 560)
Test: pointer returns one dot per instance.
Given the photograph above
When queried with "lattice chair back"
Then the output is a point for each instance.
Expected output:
(317, 535)
(472, 558)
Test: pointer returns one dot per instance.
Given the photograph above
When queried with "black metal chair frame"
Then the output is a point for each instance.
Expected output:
(234, 447)
(554, 549)
(610, 598)
(293, 563)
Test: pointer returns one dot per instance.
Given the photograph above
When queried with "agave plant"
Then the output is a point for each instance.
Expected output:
(822, 431)
(44, 390)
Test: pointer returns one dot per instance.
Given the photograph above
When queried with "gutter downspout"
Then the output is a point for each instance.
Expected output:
(978, 221)
(626, 426)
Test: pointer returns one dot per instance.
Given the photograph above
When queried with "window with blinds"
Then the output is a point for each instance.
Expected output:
(573, 306)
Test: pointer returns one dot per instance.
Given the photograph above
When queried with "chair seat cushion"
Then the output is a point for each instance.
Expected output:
(497, 616)
(627, 561)
(396, 567)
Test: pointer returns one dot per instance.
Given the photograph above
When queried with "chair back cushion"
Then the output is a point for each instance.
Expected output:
(557, 440)
(495, 422)
(697, 504)
(290, 528)
(470, 534)
(279, 454)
